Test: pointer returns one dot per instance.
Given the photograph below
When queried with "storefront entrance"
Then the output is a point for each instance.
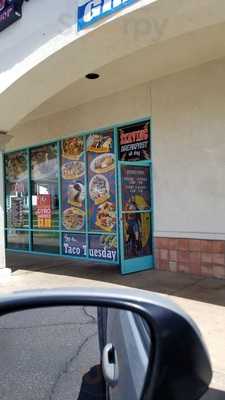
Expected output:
(86, 197)
(135, 216)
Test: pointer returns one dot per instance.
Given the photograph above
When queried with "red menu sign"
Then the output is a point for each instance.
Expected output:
(44, 212)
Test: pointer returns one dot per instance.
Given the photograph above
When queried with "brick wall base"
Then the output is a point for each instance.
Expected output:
(198, 257)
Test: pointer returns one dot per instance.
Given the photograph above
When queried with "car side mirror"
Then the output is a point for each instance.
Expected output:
(99, 344)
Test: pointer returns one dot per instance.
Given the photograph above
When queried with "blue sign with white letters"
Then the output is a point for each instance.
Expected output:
(93, 10)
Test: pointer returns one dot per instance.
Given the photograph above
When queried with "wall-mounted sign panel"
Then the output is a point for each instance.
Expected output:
(92, 11)
(135, 143)
(10, 12)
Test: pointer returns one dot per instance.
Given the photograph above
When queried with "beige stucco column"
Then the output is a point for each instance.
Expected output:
(5, 273)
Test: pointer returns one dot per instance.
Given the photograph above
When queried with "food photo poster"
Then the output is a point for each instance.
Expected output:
(73, 184)
(101, 182)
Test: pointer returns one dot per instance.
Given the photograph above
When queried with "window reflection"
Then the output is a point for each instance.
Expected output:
(17, 240)
(17, 199)
(45, 242)
(45, 201)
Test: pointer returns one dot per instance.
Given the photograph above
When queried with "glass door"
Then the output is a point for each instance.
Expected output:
(135, 214)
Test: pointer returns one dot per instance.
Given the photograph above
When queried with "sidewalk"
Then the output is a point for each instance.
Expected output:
(202, 298)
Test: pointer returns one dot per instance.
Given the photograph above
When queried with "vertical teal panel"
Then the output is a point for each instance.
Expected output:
(59, 195)
(30, 198)
(121, 235)
(117, 190)
(4, 189)
(86, 193)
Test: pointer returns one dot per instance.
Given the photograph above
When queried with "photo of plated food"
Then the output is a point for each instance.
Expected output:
(109, 241)
(106, 216)
(73, 170)
(16, 167)
(73, 218)
(97, 143)
(76, 194)
(99, 189)
(103, 163)
(73, 148)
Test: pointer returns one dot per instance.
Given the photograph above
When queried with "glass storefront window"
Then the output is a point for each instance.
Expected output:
(44, 187)
(45, 242)
(135, 181)
(16, 187)
(136, 206)
(86, 196)
(17, 240)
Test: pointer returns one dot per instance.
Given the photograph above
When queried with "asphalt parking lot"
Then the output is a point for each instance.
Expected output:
(202, 298)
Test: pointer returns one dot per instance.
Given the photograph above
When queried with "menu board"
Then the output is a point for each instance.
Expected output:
(103, 247)
(101, 182)
(73, 184)
(134, 142)
(17, 215)
(74, 245)
(44, 211)
(135, 182)
(44, 162)
(16, 176)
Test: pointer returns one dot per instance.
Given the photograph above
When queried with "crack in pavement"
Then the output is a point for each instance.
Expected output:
(93, 318)
(66, 368)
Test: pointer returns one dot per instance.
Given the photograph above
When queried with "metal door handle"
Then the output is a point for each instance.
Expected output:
(110, 366)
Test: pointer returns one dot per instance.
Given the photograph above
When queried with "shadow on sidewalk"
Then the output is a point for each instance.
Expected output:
(208, 290)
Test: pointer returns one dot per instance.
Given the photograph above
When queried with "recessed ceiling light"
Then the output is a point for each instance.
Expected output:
(92, 75)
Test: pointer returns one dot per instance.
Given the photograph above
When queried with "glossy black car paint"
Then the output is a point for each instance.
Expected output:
(179, 367)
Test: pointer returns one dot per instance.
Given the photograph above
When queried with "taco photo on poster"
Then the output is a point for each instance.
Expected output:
(100, 143)
(73, 148)
(106, 216)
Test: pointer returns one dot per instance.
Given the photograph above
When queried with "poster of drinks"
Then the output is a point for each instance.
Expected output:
(136, 204)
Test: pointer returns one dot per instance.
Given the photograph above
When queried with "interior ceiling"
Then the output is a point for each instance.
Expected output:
(145, 65)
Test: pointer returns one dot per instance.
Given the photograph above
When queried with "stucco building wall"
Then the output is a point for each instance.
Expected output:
(188, 147)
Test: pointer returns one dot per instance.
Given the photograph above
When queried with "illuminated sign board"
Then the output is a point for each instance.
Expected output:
(10, 12)
(93, 10)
